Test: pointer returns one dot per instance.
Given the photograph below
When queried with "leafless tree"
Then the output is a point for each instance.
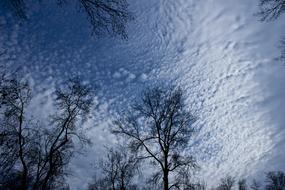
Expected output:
(109, 16)
(118, 171)
(275, 181)
(15, 96)
(226, 183)
(73, 104)
(31, 156)
(271, 9)
(242, 184)
(159, 128)
(19, 7)
(184, 182)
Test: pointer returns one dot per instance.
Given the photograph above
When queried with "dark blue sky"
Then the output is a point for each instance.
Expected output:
(217, 51)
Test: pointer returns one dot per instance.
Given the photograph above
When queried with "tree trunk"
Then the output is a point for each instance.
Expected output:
(165, 170)
(165, 179)
(123, 183)
(21, 153)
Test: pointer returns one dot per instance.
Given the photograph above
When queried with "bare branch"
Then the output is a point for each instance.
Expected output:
(159, 128)
(271, 9)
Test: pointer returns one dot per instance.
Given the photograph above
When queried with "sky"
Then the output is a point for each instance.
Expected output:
(218, 51)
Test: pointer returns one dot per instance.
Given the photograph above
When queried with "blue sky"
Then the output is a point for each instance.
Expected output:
(218, 51)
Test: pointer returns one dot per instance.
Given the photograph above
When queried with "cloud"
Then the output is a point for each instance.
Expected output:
(216, 50)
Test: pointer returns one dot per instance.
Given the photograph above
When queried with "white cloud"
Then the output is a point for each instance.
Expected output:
(216, 50)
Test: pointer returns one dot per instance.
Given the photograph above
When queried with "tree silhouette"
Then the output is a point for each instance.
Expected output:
(159, 128)
(15, 96)
(242, 185)
(32, 156)
(73, 103)
(271, 9)
(104, 16)
(118, 171)
(226, 183)
(275, 180)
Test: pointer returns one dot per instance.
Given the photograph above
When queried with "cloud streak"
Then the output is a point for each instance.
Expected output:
(216, 50)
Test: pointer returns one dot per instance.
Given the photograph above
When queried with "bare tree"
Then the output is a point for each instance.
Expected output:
(19, 8)
(73, 104)
(15, 96)
(226, 183)
(184, 182)
(31, 156)
(271, 9)
(109, 16)
(275, 181)
(118, 171)
(242, 184)
(159, 128)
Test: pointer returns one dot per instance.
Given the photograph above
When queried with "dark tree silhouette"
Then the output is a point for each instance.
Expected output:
(275, 181)
(184, 182)
(242, 185)
(159, 128)
(109, 16)
(271, 9)
(226, 183)
(31, 156)
(118, 171)
(15, 96)
(73, 103)
(19, 8)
